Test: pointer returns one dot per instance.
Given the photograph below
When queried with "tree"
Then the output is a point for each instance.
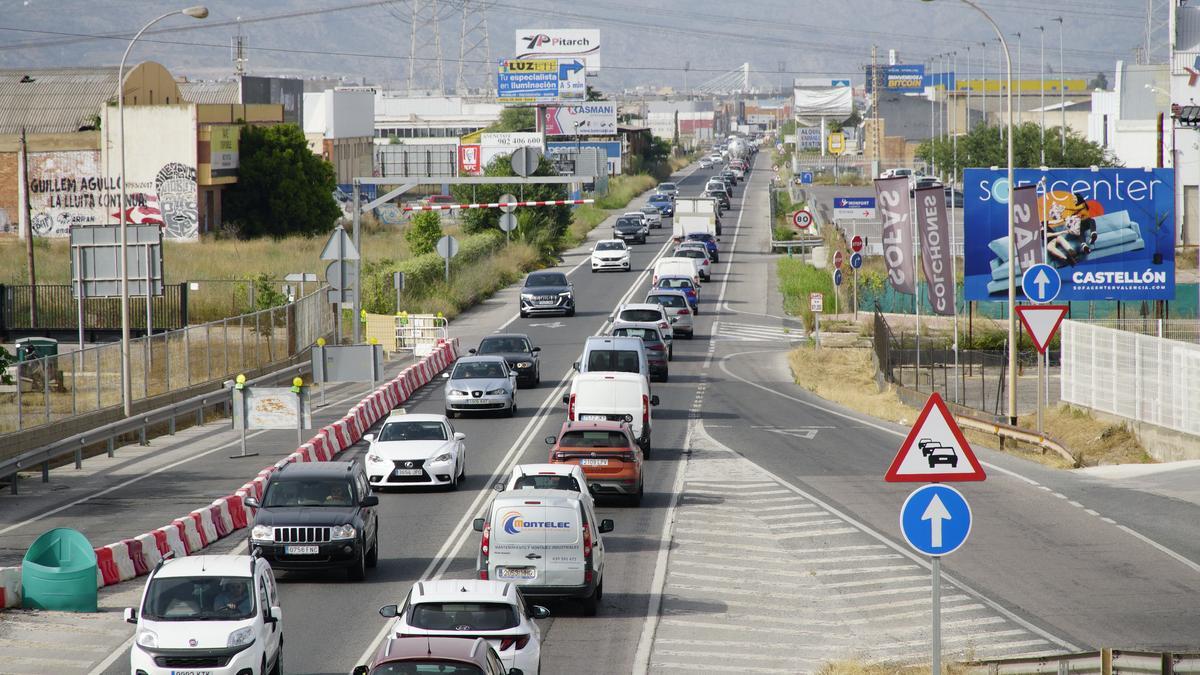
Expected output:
(282, 188)
(423, 232)
(594, 94)
(541, 226)
(1099, 82)
(854, 119)
(984, 146)
(514, 119)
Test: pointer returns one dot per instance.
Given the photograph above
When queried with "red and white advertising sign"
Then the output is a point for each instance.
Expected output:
(935, 450)
(595, 118)
(469, 160)
(1041, 322)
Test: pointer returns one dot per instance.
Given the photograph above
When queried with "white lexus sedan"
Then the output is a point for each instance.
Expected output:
(416, 450)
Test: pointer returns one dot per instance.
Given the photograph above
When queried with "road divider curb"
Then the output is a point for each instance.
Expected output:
(190, 534)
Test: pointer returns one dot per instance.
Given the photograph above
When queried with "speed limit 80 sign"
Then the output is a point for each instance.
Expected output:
(802, 219)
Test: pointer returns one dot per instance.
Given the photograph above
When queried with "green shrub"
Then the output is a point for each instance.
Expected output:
(423, 232)
(796, 280)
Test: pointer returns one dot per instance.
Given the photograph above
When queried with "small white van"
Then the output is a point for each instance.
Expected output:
(672, 267)
(618, 397)
(614, 354)
(547, 542)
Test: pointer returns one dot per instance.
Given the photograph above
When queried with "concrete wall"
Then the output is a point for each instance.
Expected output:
(9, 215)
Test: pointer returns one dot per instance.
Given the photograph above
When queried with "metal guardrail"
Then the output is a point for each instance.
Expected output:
(139, 424)
(1005, 431)
(1103, 662)
(805, 243)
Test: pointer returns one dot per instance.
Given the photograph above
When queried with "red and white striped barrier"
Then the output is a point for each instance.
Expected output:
(495, 205)
(147, 554)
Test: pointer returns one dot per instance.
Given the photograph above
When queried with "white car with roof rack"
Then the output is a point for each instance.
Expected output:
(473, 608)
(416, 450)
(567, 477)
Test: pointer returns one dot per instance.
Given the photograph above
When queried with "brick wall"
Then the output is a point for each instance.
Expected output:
(9, 218)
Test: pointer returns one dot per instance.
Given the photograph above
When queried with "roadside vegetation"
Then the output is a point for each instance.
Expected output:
(857, 667)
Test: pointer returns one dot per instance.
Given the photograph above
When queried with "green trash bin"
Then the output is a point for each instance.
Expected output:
(59, 572)
(39, 346)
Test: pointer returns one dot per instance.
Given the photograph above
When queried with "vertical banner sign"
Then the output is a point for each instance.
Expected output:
(936, 257)
(895, 211)
(1027, 225)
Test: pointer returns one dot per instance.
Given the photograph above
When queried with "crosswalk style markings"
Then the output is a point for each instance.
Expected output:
(763, 580)
(752, 332)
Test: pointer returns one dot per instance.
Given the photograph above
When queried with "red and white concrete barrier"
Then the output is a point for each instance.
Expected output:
(495, 205)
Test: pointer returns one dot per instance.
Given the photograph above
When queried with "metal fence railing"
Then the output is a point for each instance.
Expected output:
(1140, 377)
(56, 388)
(1104, 662)
(1169, 329)
(58, 310)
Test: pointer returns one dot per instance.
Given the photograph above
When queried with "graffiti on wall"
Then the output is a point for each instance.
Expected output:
(176, 186)
(66, 189)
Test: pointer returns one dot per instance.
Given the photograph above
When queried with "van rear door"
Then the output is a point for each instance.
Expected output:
(564, 564)
(518, 542)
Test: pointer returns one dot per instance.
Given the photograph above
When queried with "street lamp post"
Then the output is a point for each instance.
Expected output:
(968, 110)
(984, 71)
(1042, 85)
(1020, 71)
(197, 12)
(1062, 94)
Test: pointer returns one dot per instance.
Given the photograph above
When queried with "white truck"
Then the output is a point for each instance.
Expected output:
(687, 223)
(701, 206)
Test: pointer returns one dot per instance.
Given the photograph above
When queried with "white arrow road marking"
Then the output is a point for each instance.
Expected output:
(935, 513)
(806, 432)
(556, 324)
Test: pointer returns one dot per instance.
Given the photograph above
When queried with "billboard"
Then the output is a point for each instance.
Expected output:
(809, 138)
(570, 43)
(594, 118)
(469, 160)
(612, 148)
(898, 79)
(829, 102)
(540, 80)
(1109, 232)
(494, 145)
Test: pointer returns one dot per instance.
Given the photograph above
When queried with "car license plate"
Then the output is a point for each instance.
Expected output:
(592, 418)
(302, 550)
(407, 472)
(593, 462)
(516, 572)
(191, 672)
(547, 302)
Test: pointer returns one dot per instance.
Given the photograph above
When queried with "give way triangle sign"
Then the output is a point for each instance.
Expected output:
(935, 450)
(1041, 322)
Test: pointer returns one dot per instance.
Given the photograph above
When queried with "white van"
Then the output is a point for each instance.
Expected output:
(614, 354)
(547, 542)
(219, 613)
(675, 267)
(619, 397)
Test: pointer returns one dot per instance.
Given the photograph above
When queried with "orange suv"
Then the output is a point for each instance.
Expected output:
(607, 453)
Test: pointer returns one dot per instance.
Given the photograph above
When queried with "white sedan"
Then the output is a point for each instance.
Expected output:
(416, 450)
(610, 254)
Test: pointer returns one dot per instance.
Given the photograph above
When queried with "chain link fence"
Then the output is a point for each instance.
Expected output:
(54, 388)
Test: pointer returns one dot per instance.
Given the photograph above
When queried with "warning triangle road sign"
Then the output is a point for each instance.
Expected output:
(339, 246)
(935, 450)
(1041, 322)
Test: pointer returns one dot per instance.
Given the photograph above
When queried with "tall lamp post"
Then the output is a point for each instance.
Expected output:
(197, 12)
(1062, 95)
(1042, 85)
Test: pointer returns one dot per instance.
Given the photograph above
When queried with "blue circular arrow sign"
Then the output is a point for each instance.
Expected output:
(935, 519)
(837, 277)
(1041, 283)
(856, 261)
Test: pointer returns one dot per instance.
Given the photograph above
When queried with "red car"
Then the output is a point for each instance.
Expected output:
(449, 655)
(608, 454)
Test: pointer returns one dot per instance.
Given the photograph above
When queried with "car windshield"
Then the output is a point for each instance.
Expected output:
(546, 482)
(650, 210)
(433, 666)
(667, 300)
(547, 279)
(199, 599)
(308, 492)
(699, 236)
(646, 334)
(610, 246)
(503, 345)
(688, 253)
(594, 439)
(477, 370)
(640, 315)
(627, 223)
(463, 616)
(413, 431)
(614, 360)
(666, 186)
(675, 282)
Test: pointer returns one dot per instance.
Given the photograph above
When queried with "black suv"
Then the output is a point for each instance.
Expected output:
(522, 356)
(547, 293)
(630, 229)
(317, 515)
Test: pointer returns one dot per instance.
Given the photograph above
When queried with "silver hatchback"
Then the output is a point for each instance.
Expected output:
(678, 310)
(481, 384)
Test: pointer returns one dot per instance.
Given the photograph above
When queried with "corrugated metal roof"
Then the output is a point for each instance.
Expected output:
(209, 92)
(1187, 29)
(59, 100)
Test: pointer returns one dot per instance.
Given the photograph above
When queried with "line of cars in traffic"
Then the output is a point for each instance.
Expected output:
(540, 535)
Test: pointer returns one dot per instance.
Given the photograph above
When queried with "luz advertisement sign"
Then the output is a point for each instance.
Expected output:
(1110, 233)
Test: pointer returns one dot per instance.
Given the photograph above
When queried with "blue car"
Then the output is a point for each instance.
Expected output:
(663, 203)
(684, 284)
(710, 242)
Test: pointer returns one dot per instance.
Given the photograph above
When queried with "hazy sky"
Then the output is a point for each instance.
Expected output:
(641, 44)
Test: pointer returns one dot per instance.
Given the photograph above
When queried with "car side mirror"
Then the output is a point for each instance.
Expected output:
(567, 399)
(606, 525)
(445, 376)
(515, 671)
(360, 670)
(130, 615)
(251, 502)
(369, 500)
(654, 400)
(460, 436)
(535, 350)
(368, 437)
(273, 614)
(498, 486)
(389, 611)
(575, 366)
(539, 612)
(550, 440)
(477, 525)
(472, 350)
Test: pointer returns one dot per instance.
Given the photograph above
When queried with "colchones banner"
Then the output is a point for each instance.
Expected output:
(937, 260)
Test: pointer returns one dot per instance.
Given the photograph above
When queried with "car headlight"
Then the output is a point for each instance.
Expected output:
(457, 392)
(444, 457)
(241, 637)
(376, 459)
(524, 364)
(565, 294)
(343, 532)
(262, 533)
(147, 638)
(496, 392)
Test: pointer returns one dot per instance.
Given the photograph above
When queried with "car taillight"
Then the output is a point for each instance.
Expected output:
(558, 457)
(656, 347)
(571, 409)
(518, 641)
(627, 457)
(587, 544)
(685, 310)
(663, 324)
(485, 547)
(645, 412)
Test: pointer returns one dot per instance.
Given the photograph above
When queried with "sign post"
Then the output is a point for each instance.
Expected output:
(856, 261)
(340, 249)
(816, 305)
(447, 247)
(1041, 322)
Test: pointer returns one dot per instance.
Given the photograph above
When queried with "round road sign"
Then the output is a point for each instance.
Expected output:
(508, 199)
(856, 260)
(508, 222)
(837, 259)
(802, 219)
(1041, 283)
(856, 243)
(837, 277)
(447, 247)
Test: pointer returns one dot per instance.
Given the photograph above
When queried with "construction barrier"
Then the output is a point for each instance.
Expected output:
(10, 587)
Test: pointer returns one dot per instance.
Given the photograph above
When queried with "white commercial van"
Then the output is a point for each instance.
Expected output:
(613, 354)
(547, 542)
(675, 267)
(618, 397)
(686, 224)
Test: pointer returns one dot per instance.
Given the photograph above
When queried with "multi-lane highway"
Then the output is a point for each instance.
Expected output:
(767, 541)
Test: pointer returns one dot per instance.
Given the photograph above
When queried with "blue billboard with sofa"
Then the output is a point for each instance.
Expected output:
(1110, 232)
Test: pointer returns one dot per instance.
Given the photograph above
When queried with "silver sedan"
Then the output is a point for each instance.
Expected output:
(481, 384)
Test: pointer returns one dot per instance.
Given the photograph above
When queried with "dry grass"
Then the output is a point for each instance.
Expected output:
(847, 377)
(1094, 441)
(852, 667)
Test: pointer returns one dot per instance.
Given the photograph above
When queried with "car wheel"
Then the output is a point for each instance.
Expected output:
(591, 604)
(512, 409)
(593, 270)
(453, 484)
(636, 500)
(671, 353)
(277, 669)
(450, 413)
(537, 378)
(646, 447)
(373, 554)
(358, 570)
(571, 312)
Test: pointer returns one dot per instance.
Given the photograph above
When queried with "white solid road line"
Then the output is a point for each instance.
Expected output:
(458, 537)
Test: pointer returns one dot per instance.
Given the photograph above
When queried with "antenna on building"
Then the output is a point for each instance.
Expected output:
(238, 49)
(475, 65)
